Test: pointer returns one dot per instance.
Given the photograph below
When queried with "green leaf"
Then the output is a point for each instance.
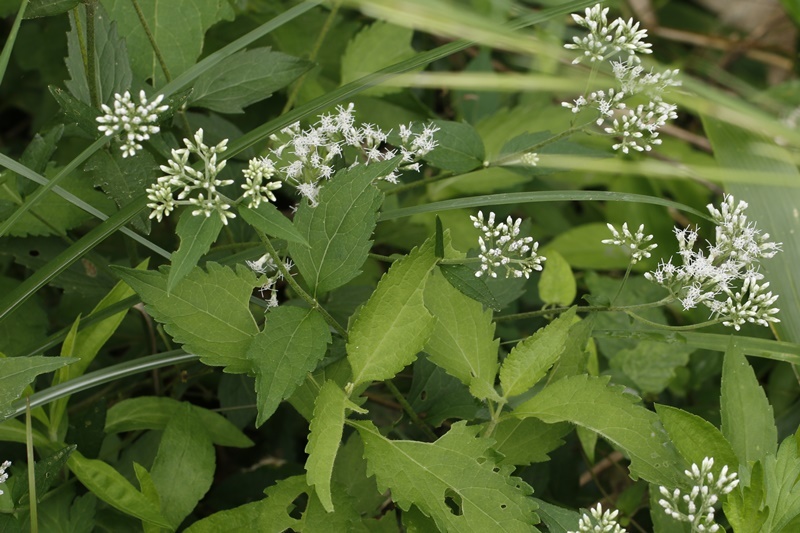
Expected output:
(46, 471)
(360, 59)
(591, 403)
(338, 230)
(530, 359)
(781, 487)
(324, 438)
(651, 365)
(458, 469)
(744, 507)
(16, 373)
(48, 8)
(76, 111)
(436, 396)
(245, 78)
(270, 515)
(268, 219)
(528, 440)
(180, 49)
(581, 248)
(197, 234)
(462, 342)
(150, 412)
(460, 148)
(123, 178)
(463, 278)
(21, 330)
(294, 340)
(574, 358)
(207, 312)
(557, 519)
(747, 419)
(111, 487)
(350, 476)
(557, 283)
(394, 325)
(150, 492)
(696, 438)
(184, 466)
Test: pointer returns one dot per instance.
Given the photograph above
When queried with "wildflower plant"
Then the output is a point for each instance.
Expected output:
(599, 521)
(502, 247)
(131, 122)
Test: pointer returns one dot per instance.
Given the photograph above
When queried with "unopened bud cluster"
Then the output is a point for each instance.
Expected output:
(636, 127)
(697, 506)
(635, 242)
(131, 122)
(503, 249)
(3, 474)
(599, 521)
(725, 277)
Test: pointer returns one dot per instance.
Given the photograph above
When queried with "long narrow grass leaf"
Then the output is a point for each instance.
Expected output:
(12, 38)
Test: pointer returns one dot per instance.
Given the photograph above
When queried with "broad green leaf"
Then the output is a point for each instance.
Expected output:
(76, 111)
(581, 248)
(773, 208)
(747, 420)
(180, 49)
(324, 438)
(270, 515)
(573, 360)
(46, 471)
(150, 492)
(530, 360)
(781, 487)
(360, 59)
(305, 396)
(48, 8)
(695, 438)
(591, 403)
(245, 78)
(528, 440)
(266, 218)
(557, 519)
(744, 507)
(150, 412)
(184, 466)
(463, 278)
(123, 178)
(207, 312)
(393, 326)
(344, 518)
(462, 342)
(338, 230)
(197, 234)
(350, 476)
(459, 148)
(436, 396)
(294, 340)
(110, 486)
(16, 373)
(651, 365)
(557, 283)
(458, 468)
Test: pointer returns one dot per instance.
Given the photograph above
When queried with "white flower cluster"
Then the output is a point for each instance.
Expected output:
(636, 242)
(636, 127)
(3, 475)
(179, 173)
(597, 521)
(264, 266)
(699, 502)
(258, 187)
(734, 257)
(304, 158)
(501, 245)
(131, 122)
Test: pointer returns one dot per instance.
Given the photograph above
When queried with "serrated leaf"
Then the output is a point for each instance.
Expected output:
(394, 325)
(591, 403)
(744, 507)
(294, 340)
(651, 365)
(16, 373)
(180, 49)
(270, 515)
(360, 59)
(463, 341)
(696, 438)
(781, 487)
(207, 312)
(75, 111)
(557, 519)
(456, 468)
(338, 230)
(747, 419)
(245, 78)
(459, 148)
(183, 469)
(197, 234)
(436, 396)
(350, 476)
(110, 486)
(268, 219)
(528, 440)
(324, 439)
(46, 473)
(463, 278)
(574, 358)
(150, 412)
(530, 359)
(557, 283)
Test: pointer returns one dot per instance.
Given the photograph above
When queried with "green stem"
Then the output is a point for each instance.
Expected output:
(31, 468)
(585, 309)
(492, 425)
(536, 147)
(622, 284)
(310, 300)
(410, 410)
(688, 327)
(384, 258)
(91, 56)
(152, 40)
(460, 261)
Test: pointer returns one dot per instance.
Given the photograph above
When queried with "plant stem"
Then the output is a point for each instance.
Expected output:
(152, 40)
(688, 327)
(460, 261)
(310, 300)
(91, 56)
(586, 309)
(550, 140)
(410, 410)
(622, 284)
(31, 468)
(492, 425)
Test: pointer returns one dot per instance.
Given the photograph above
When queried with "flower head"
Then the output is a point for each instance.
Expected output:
(501, 246)
(599, 521)
(635, 242)
(3, 475)
(132, 123)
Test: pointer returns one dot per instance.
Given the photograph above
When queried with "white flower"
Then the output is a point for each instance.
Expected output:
(258, 187)
(131, 122)
(604, 38)
(3, 475)
(636, 242)
(597, 521)
(501, 246)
